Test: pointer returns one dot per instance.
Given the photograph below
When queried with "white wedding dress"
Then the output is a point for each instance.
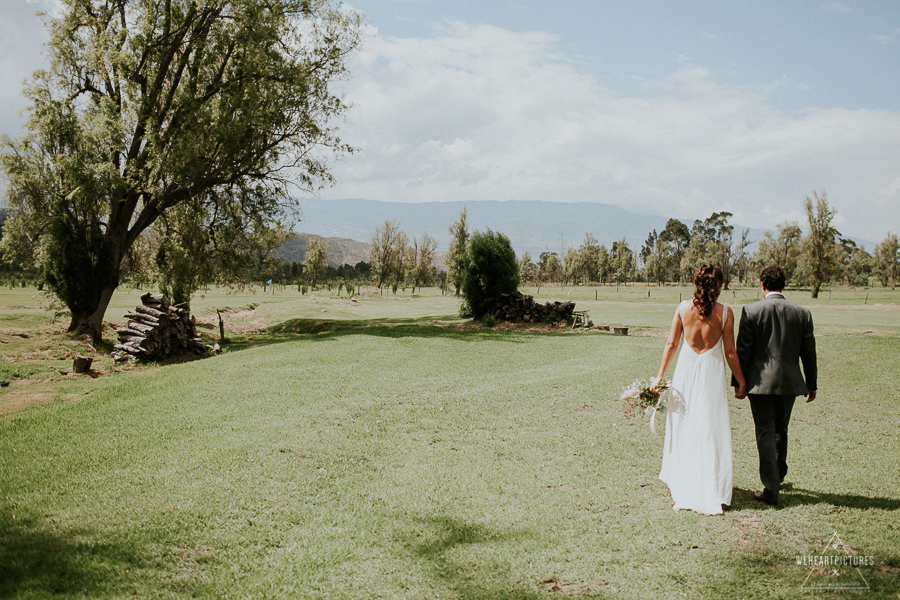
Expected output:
(697, 458)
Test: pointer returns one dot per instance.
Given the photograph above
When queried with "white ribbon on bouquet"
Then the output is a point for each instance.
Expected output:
(662, 396)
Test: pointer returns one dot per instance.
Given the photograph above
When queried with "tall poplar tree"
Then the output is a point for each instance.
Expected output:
(456, 252)
(819, 249)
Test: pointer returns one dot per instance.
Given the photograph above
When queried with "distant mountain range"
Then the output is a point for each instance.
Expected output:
(531, 226)
(341, 251)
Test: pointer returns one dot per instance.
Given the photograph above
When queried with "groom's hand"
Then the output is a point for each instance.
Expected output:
(812, 396)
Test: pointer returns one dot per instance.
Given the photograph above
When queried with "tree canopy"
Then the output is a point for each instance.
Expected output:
(149, 105)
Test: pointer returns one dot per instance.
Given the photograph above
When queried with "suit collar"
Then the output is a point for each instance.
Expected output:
(775, 295)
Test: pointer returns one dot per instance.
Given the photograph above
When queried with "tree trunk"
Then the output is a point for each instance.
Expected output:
(90, 321)
(815, 290)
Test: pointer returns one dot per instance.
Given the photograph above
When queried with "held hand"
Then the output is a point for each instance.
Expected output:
(654, 381)
(740, 392)
(812, 396)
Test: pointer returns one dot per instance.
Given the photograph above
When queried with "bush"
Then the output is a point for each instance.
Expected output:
(490, 268)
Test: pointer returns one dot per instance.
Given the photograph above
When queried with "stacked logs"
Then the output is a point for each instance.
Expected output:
(156, 329)
(519, 308)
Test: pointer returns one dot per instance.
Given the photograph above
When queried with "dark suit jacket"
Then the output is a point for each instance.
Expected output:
(775, 336)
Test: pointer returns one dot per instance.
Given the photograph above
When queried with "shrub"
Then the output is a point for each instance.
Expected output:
(490, 268)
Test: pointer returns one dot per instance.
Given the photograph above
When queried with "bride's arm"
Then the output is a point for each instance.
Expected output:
(732, 357)
(670, 349)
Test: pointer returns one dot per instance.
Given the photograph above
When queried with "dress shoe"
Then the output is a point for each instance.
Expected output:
(760, 496)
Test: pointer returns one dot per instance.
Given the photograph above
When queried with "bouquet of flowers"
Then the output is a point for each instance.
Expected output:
(637, 398)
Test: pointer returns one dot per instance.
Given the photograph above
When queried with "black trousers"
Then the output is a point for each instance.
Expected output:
(771, 415)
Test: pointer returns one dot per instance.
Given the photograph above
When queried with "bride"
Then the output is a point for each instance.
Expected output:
(697, 459)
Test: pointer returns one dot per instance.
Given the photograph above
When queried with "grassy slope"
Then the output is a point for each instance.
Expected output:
(409, 461)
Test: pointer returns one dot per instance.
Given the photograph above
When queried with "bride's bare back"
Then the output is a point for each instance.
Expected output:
(702, 333)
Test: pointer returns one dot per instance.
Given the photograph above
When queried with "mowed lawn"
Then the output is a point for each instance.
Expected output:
(389, 452)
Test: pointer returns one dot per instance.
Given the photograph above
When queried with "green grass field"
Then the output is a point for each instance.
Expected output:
(383, 448)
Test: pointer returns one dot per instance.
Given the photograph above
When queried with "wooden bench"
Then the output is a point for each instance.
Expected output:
(580, 316)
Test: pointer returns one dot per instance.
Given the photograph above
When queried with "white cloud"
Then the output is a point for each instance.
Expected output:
(481, 113)
(839, 7)
(888, 38)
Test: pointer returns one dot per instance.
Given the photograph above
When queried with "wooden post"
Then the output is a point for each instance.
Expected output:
(221, 327)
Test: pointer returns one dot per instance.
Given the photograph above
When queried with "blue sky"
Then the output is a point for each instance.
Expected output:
(824, 54)
(674, 108)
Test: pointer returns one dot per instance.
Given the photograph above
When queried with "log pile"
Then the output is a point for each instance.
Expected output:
(519, 308)
(156, 329)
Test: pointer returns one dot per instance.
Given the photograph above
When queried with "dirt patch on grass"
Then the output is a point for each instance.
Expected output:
(13, 401)
(48, 354)
(468, 326)
(236, 321)
(751, 531)
(890, 306)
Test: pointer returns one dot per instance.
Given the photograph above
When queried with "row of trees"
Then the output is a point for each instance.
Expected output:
(398, 261)
(672, 255)
(395, 260)
(182, 259)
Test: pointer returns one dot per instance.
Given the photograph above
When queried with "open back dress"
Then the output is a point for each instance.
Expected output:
(697, 456)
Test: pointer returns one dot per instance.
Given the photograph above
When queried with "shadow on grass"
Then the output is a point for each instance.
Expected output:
(798, 496)
(36, 560)
(325, 330)
(447, 534)
(794, 496)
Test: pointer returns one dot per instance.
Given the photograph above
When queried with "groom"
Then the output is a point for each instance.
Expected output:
(774, 338)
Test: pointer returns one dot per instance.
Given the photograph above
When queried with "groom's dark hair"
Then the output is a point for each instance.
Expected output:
(772, 278)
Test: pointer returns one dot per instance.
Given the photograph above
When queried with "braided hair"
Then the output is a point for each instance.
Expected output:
(708, 281)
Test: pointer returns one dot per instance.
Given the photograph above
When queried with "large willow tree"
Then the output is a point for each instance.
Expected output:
(149, 105)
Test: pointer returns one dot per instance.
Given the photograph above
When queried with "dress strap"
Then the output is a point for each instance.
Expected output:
(681, 310)
(724, 319)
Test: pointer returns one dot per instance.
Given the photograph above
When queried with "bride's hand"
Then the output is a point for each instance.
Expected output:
(654, 381)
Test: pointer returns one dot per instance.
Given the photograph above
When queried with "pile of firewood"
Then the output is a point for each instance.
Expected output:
(156, 329)
(519, 308)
